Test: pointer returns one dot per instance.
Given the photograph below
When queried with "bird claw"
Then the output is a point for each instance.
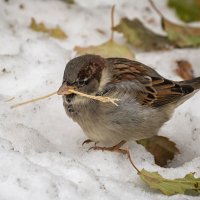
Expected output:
(86, 142)
(97, 148)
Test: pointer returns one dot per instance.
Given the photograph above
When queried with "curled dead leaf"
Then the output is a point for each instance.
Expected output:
(184, 69)
(161, 148)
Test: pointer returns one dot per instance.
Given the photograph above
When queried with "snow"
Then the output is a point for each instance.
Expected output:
(40, 147)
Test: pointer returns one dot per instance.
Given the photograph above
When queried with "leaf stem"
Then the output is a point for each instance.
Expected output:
(131, 161)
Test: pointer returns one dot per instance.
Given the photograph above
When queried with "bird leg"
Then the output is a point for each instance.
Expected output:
(116, 148)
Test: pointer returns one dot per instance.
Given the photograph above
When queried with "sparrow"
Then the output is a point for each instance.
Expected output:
(146, 99)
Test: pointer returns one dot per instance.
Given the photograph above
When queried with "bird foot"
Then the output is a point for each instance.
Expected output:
(114, 148)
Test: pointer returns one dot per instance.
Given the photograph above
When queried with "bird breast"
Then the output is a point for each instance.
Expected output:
(107, 123)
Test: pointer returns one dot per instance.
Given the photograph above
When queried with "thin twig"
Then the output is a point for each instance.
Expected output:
(155, 8)
(9, 99)
(112, 22)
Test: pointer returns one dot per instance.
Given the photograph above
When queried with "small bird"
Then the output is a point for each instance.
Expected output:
(147, 100)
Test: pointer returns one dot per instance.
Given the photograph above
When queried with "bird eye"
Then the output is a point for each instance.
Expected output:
(82, 82)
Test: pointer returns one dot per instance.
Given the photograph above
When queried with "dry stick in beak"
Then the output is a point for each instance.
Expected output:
(98, 98)
(65, 90)
(33, 100)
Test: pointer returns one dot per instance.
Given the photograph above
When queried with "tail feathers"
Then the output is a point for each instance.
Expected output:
(194, 83)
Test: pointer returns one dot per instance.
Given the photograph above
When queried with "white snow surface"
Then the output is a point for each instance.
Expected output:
(40, 147)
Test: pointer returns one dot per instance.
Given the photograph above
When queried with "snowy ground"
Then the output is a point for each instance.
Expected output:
(40, 147)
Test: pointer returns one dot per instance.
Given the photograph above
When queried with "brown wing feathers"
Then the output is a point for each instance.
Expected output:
(168, 91)
(158, 90)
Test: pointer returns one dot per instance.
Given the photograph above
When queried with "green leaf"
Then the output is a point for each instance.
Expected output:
(187, 185)
(187, 10)
(107, 49)
(139, 36)
(161, 148)
(182, 36)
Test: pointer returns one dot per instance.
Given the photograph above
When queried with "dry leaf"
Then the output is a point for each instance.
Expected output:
(56, 32)
(107, 49)
(140, 36)
(184, 69)
(187, 185)
(161, 148)
(182, 36)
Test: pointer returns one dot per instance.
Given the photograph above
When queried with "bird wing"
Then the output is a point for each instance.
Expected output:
(156, 90)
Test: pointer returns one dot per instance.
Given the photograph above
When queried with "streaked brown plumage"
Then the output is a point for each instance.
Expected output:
(147, 100)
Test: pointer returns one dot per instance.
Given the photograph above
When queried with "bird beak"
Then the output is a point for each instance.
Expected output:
(64, 89)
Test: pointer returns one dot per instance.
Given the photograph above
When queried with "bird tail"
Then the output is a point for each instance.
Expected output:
(195, 83)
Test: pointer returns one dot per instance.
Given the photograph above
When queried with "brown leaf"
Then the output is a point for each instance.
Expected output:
(56, 32)
(184, 69)
(107, 49)
(161, 148)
